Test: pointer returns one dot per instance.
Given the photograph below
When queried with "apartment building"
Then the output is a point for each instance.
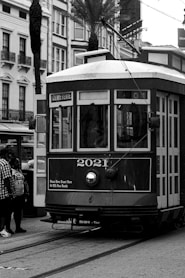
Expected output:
(61, 40)
(17, 81)
(70, 38)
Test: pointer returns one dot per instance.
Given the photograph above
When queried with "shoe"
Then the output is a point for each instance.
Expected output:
(4, 233)
(20, 230)
(10, 231)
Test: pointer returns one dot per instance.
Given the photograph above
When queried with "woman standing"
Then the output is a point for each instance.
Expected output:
(21, 189)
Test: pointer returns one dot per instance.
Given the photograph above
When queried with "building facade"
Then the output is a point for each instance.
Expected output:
(70, 38)
(17, 82)
(61, 40)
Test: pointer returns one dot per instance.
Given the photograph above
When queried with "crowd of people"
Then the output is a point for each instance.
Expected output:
(13, 193)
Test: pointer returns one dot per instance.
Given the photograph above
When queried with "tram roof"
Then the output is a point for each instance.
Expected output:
(116, 69)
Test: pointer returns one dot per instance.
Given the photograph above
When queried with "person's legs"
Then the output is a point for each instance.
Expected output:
(3, 211)
(18, 210)
(8, 216)
(2, 222)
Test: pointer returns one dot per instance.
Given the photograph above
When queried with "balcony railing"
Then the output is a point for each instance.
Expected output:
(24, 60)
(15, 115)
(7, 57)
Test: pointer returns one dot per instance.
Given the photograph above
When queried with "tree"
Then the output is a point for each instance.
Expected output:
(35, 14)
(91, 12)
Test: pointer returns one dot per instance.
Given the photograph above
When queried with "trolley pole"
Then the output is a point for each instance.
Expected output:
(119, 35)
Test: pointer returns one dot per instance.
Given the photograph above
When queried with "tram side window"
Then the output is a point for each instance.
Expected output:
(61, 130)
(94, 126)
(131, 126)
(55, 128)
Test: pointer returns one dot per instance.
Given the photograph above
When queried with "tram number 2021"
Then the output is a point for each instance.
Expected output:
(92, 162)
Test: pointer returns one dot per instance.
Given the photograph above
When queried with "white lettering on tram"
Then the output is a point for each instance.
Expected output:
(59, 183)
(92, 162)
(61, 97)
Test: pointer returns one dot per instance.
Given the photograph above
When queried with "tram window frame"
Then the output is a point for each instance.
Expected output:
(137, 97)
(96, 97)
(59, 100)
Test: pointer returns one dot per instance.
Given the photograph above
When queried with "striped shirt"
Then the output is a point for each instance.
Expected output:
(5, 172)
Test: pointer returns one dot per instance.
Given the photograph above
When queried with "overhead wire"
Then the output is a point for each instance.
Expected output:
(182, 2)
(138, 88)
(159, 11)
(125, 65)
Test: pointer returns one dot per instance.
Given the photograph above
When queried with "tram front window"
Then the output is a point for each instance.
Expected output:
(93, 126)
(61, 130)
(131, 126)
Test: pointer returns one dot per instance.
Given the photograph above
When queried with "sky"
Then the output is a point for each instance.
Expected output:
(161, 19)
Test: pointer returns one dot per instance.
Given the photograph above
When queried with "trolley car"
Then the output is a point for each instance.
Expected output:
(116, 139)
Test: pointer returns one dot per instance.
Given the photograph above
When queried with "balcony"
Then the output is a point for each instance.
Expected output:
(15, 115)
(7, 58)
(24, 62)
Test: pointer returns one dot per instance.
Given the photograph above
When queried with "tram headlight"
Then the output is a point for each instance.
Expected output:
(92, 178)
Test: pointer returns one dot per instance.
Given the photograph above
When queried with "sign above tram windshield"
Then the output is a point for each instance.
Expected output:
(61, 97)
(121, 94)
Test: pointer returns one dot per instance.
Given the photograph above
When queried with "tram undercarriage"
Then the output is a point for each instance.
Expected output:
(127, 219)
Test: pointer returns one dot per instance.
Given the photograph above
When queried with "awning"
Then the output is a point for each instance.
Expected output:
(14, 129)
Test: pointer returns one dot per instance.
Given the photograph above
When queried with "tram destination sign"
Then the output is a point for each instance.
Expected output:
(61, 97)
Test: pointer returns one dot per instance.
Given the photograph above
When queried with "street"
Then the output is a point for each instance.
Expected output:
(89, 253)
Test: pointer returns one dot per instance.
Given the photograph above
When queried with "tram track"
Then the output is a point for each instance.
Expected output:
(100, 243)
(44, 241)
(89, 259)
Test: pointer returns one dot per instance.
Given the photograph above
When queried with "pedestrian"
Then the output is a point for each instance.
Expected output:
(6, 191)
(21, 190)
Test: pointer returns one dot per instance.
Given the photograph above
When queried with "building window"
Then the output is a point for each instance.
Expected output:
(78, 31)
(5, 101)
(53, 21)
(78, 60)
(6, 9)
(22, 47)
(110, 42)
(22, 90)
(22, 14)
(5, 55)
(6, 42)
(102, 34)
(58, 59)
(22, 50)
(59, 23)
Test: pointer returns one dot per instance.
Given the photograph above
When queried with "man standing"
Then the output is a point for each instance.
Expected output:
(6, 191)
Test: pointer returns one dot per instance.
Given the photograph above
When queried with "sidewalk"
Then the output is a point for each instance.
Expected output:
(33, 225)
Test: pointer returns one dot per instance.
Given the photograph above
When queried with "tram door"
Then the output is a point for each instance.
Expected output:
(40, 152)
(168, 150)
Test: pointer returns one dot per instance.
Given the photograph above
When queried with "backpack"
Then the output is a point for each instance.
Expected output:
(18, 182)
